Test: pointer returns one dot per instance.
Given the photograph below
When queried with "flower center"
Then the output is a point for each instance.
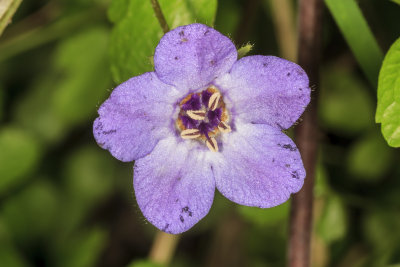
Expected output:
(203, 116)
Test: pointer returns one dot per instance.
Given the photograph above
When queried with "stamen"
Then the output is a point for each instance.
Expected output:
(212, 144)
(190, 133)
(214, 100)
(198, 115)
(224, 127)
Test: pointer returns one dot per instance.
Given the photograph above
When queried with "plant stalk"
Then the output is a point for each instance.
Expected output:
(160, 15)
(306, 133)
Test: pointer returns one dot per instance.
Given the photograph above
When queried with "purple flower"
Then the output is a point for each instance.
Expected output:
(204, 120)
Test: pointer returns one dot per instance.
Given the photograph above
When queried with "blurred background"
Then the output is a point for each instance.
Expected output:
(66, 202)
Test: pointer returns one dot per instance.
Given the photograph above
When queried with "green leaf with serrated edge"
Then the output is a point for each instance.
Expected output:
(358, 35)
(137, 30)
(388, 109)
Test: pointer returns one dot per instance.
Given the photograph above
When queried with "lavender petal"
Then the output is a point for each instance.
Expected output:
(267, 89)
(258, 166)
(135, 117)
(174, 185)
(191, 56)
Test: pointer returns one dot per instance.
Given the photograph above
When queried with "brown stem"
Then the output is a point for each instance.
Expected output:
(309, 46)
(160, 15)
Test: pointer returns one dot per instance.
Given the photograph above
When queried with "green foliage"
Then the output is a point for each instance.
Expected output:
(332, 225)
(370, 158)
(144, 263)
(380, 229)
(345, 105)
(265, 217)
(85, 74)
(396, 1)
(137, 30)
(9, 256)
(38, 205)
(20, 152)
(82, 249)
(388, 108)
(358, 35)
(76, 84)
(88, 179)
(1, 102)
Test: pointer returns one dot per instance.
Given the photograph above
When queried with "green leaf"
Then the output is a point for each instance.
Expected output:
(265, 217)
(19, 154)
(333, 222)
(380, 228)
(89, 176)
(358, 35)
(388, 108)
(137, 30)
(144, 263)
(81, 250)
(1, 103)
(346, 108)
(396, 1)
(370, 158)
(7, 10)
(31, 213)
(83, 62)
(71, 90)
(10, 256)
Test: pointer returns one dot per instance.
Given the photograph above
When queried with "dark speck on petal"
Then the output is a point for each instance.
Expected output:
(109, 132)
(295, 175)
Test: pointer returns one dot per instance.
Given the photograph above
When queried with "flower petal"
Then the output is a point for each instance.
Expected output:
(267, 89)
(174, 185)
(191, 56)
(258, 166)
(135, 117)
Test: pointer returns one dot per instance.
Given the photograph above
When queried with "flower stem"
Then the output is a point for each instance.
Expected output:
(160, 15)
(309, 46)
(163, 248)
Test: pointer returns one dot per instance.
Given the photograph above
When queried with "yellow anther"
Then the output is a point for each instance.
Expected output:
(190, 133)
(212, 144)
(224, 127)
(214, 101)
(198, 115)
